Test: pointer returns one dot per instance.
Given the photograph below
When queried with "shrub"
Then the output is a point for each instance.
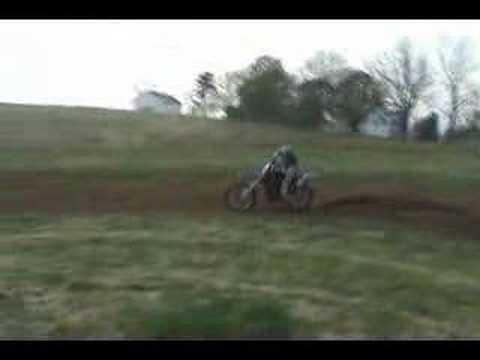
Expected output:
(427, 128)
(462, 134)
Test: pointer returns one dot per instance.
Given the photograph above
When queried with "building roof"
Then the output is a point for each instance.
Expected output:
(162, 96)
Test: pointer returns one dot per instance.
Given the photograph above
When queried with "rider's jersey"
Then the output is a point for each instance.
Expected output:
(283, 160)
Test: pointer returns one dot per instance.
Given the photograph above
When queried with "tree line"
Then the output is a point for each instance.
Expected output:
(327, 87)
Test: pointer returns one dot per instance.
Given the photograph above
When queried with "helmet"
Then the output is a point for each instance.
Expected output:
(285, 149)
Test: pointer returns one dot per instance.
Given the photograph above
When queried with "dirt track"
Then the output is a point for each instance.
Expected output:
(58, 194)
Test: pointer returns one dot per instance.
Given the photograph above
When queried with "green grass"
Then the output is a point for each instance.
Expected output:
(343, 277)
(206, 315)
(219, 274)
(125, 142)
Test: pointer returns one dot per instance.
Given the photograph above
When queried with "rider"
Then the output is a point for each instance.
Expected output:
(285, 162)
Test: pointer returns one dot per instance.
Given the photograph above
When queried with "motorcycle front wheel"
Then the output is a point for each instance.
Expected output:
(236, 199)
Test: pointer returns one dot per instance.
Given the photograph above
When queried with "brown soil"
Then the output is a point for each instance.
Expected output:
(58, 194)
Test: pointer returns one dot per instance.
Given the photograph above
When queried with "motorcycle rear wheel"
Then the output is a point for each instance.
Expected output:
(301, 199)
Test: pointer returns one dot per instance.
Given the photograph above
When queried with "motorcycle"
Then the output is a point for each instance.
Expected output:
(242, 195)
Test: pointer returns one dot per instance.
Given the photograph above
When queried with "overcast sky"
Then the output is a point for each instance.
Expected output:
(99, 63)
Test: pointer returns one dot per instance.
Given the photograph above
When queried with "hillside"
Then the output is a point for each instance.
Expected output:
(127, 209)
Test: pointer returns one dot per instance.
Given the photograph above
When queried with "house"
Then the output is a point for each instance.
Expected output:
(381, 122)
(378, 122)
(157, 102)
(384, 123)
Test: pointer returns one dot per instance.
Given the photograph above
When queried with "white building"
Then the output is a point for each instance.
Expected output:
(379, 122)
(383, 123)
(157, 102)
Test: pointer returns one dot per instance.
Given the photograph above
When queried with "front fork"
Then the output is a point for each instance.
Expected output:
(247, 191)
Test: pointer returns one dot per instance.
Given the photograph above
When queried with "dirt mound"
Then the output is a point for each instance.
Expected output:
(392, 203)
(443, 217)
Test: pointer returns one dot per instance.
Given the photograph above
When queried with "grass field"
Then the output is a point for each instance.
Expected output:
(112, 225)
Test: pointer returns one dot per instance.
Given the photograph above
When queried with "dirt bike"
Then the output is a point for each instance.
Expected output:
(242, 196)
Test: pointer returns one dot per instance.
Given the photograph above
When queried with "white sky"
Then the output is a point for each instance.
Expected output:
(98, 63)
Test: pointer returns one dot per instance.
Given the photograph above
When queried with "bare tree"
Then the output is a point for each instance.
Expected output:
(322, 64)
(457, 66)
(406, 79)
